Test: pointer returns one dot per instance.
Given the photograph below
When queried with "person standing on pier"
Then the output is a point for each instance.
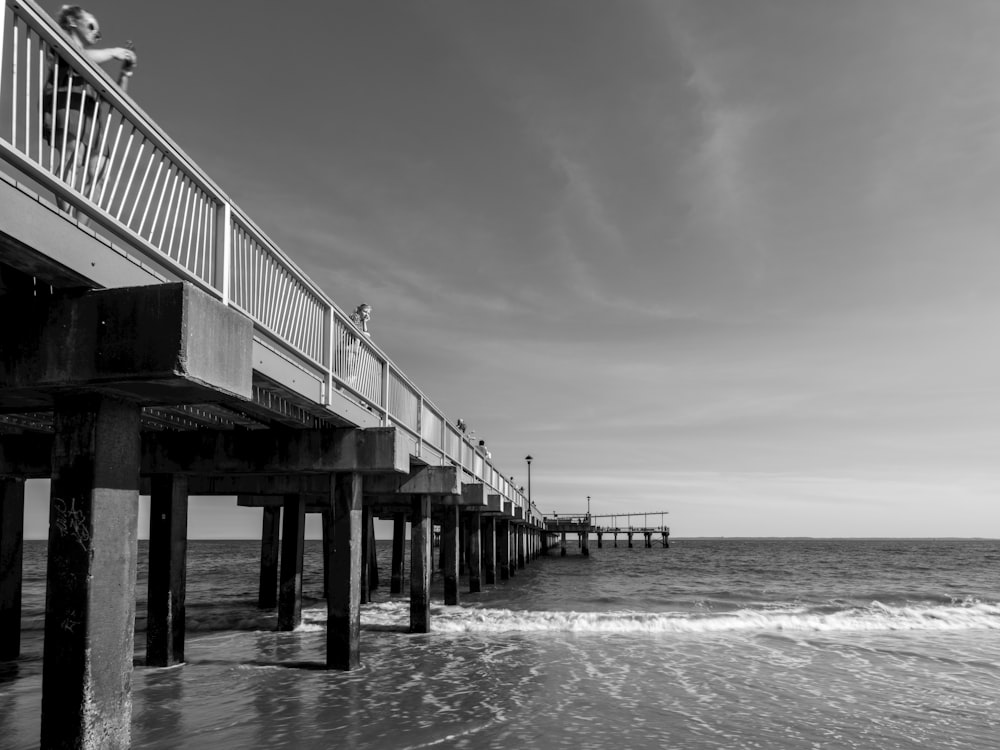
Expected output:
(70, 106)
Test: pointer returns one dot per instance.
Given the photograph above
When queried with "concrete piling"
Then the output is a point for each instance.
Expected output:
(90, 594)
(503, 548)
(489, 530)
(267, 593)
(366, 556)
(11, 559)
(398, 539)
(420, 564)
(473, 533)
(292, 547)
(343, 560)
(168, 516)
(450, 553)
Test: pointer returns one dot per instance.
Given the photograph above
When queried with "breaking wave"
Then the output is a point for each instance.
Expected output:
(874, 617)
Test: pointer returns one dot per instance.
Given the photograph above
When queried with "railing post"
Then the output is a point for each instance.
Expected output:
(420, 425)
(385, 392)
(223, 249)
(328, 329)
(3, 38)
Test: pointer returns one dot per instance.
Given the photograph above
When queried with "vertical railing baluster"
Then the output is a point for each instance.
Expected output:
(63, 161)
(128, 185)
(118, 171)
(27, 90)
(290, 313)
(183, 190)
(257, 313)
(166, 215)
(52, 120)
(223, 249)
(151, 196)
(41, 102)
(13, 83)
(237, 261)
(95, 173)
(264, 299)
(3, 39)
(278, 296)
(196, 237)
(209, 249)
(142, 184)
(206, 269)
(328, 351)
(79, 130)
(270, 293)
(100, 173)
(171, 215)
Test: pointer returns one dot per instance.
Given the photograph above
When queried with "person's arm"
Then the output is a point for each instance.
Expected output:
(101, 56)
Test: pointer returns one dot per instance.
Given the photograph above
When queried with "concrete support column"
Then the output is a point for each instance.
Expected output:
(366, 556)
(463, 547)
(520, 537)
(421, 530)
(11, 556)
(270, 534)
(450, 551)
(562, 544)
(343, 561)
(168, 514)
(629, 540)
(474, 536)
(489, 530)
(398, 538)
(503, 548)
(90, 594)
(293, 529)
(585, 543)
(372, 558)
(600, 540)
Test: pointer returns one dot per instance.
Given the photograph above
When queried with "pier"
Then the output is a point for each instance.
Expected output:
(155, 341)
(584, 525)
(649, 533)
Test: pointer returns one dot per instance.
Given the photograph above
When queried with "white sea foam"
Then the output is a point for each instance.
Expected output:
(874, 617)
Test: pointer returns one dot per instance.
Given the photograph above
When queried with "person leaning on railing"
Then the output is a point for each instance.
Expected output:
(75, 118)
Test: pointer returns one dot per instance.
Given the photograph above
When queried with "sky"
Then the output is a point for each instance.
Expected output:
(731, 259)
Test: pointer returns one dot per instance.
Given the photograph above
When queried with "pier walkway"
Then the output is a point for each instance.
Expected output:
(154, 340)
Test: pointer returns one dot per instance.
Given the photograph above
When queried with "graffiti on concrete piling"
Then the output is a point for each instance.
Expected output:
(71, 521)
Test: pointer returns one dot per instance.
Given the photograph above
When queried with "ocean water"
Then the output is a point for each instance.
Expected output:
(708, 644)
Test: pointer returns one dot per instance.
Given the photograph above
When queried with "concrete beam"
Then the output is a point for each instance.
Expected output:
(475, 495)
(434, 480)
(494, 506)
(258, 486)
(161, 344)
(285, 451)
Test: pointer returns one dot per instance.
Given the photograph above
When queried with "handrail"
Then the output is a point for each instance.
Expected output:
(132, 180)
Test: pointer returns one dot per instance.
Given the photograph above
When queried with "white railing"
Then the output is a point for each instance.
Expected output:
(131, 180)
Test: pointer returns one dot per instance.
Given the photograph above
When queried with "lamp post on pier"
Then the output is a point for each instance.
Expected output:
(588, 506)
(528, 459)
